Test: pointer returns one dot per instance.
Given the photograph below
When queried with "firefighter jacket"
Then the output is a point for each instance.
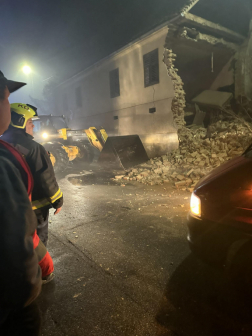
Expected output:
(20, 275)
(46, 192)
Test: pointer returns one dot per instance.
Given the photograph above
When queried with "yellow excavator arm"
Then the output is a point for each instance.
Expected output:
(97, 138)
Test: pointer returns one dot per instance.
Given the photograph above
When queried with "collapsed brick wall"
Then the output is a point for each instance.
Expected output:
(178, 103)
(200, 150)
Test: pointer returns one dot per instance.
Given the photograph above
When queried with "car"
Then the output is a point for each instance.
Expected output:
(220, 218)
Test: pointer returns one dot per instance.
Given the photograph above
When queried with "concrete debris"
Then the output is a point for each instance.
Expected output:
(119, 177)
(196, 156)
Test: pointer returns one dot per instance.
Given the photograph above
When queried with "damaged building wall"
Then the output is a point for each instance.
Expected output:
(178, 102)
(226, 77)
(201, 149)
(194, 52)
(196, 62)
(248, 66)
(201, 55)
(243, 73)
(200, 58)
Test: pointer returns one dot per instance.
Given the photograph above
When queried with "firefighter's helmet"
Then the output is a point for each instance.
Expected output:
(21, 113)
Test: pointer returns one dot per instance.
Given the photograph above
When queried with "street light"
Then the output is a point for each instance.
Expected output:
(28, 72)
(26, 69)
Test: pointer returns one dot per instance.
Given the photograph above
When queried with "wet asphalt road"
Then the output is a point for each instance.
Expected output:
(123, 266)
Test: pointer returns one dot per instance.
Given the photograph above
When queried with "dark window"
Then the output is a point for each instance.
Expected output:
(151, 68)
(152, 110)
(114, 83)
(78, 97)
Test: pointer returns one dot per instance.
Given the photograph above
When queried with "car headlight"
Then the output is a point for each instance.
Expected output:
(45, 135)
(195, 205)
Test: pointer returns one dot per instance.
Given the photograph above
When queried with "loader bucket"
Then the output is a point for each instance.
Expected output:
(123, 152)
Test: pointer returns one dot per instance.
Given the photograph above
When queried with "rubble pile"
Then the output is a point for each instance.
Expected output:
(199, 152)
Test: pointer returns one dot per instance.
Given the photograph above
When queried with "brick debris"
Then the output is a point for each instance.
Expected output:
(200, 151)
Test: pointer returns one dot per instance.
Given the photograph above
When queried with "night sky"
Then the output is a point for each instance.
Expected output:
(69, 35)
(61, 37)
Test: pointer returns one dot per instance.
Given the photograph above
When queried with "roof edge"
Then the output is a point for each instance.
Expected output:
(163, 25)
(184, 10)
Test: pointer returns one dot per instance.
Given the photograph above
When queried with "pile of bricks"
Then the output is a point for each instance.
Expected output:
(197, 155)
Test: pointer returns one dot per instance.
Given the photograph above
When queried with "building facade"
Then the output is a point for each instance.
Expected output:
(143, 88)
(130, 92)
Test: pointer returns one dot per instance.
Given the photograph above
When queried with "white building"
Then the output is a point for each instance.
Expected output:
(130, 91)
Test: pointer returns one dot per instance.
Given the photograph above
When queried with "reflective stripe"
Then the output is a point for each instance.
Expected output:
(44, 201)
(56, 196)
(40, 204)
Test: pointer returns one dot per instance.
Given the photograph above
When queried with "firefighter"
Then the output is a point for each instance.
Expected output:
(46, 192)
(20, 275)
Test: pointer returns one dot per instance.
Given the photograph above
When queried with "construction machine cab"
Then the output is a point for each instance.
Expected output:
(48, 126)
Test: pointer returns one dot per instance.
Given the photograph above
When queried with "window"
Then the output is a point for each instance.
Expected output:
(78, 97)
(114, 83)
(151, 68)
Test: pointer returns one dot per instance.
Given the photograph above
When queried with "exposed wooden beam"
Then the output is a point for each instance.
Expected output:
(214, 28)
(191, 34)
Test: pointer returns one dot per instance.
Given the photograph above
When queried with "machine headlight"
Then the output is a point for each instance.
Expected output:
(195, 205)
(45, 135)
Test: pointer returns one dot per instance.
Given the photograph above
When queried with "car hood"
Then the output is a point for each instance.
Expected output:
(222, 170)
(226, 189)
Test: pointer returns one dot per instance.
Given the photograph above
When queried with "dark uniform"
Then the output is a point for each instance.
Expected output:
(20, 281)
(46, 192)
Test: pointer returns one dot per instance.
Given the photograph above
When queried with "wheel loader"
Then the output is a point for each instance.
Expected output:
(64, 145)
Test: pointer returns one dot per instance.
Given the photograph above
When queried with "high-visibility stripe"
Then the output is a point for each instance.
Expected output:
(44, 201)
(40, 204)
(56, 196)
